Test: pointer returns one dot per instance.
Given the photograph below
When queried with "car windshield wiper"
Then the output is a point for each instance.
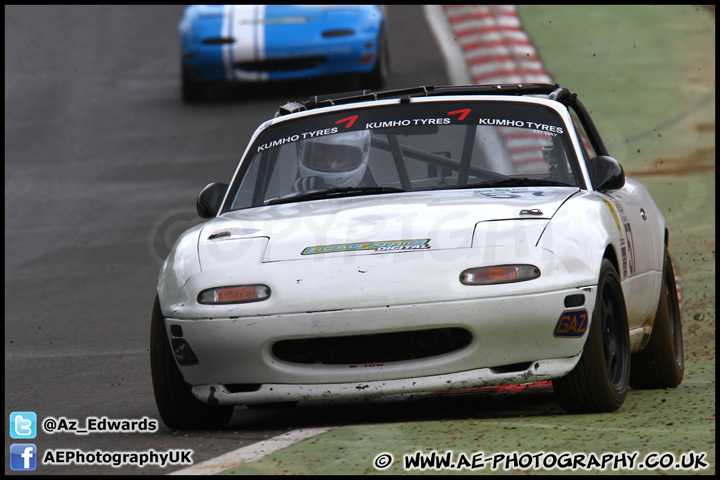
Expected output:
(333, 193)
(509, 182)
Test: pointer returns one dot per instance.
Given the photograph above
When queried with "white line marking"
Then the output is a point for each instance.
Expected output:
(251, 453)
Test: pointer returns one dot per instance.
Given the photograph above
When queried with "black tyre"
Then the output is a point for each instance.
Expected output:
(599, 382)
(178, 407)
(192, 91)
(376, 79)
(661, 363)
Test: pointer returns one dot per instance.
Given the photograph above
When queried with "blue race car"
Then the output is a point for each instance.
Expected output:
(268, 43)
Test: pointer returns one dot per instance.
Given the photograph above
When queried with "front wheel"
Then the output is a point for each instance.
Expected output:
(178, 407)
(599, 382)
(192, 91)
(661, 363)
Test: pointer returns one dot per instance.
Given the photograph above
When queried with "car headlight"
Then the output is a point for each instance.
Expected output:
(499, 274)
(234, 294)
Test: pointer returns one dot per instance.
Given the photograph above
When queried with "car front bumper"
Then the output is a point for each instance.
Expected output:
(513, 339)
(219, 394)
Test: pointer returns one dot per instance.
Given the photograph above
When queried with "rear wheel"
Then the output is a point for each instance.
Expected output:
(178, 407)
(599, 381)
(661, 363)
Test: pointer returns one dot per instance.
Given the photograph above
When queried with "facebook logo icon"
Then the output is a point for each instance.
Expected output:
(23, 456)
(23, 425)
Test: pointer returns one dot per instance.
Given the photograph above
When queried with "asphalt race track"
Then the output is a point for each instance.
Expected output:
(103, 163)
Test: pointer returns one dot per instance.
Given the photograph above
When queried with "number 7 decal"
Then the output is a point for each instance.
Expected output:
(349, 120)
(463, 113)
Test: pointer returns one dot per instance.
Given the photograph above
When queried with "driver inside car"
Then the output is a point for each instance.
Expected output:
(331, 161)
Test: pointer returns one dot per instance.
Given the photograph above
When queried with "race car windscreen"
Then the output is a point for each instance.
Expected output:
(406, 147)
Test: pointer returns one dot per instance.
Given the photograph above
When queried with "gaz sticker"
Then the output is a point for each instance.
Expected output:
(572, 324)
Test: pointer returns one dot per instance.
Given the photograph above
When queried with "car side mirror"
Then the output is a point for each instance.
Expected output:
(210, 199)
(606, 173)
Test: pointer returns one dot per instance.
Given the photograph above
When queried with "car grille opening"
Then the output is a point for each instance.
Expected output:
(515, 367)
(242, 387)
(377, 348)
(218, 41)
(338, 32)
(282, 65)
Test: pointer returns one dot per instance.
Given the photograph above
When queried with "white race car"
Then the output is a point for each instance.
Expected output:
(418, 240)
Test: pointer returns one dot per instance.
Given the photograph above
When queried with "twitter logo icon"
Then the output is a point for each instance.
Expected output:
(23, 425)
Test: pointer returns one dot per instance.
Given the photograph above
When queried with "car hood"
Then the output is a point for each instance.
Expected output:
(377, 224)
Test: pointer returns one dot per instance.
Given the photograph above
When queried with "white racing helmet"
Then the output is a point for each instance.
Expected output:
(340, 160)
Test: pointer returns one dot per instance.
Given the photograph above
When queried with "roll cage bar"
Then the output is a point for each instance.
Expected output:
(552, 92)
